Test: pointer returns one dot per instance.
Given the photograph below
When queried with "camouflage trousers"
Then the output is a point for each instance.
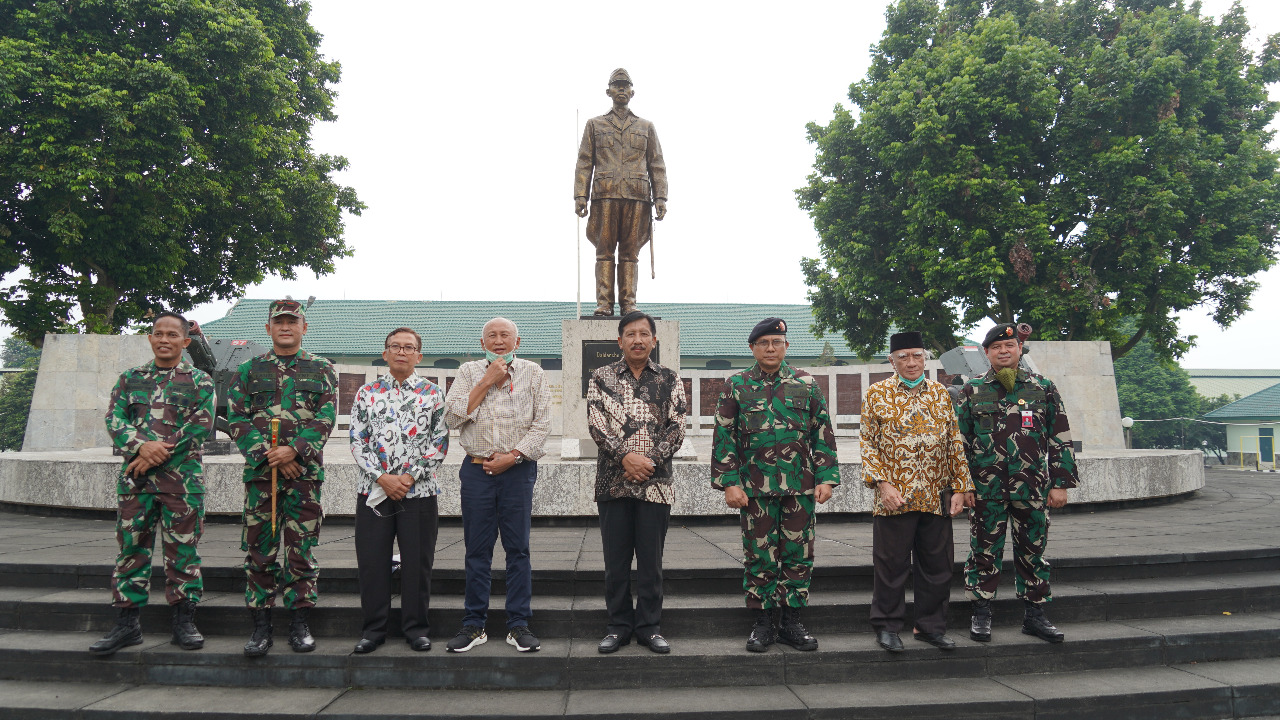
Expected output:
(181, 520)
(777, 550)
(1030, 529)
(297, 529)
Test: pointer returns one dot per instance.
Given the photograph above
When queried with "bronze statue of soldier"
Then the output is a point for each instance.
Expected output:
(630, 182)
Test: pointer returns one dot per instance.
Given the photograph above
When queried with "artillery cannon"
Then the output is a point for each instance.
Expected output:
(220, 359)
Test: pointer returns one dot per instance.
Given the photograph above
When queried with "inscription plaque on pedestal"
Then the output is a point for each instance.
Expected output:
(598, 353)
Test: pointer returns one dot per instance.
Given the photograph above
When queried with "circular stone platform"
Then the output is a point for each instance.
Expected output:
(86, 479)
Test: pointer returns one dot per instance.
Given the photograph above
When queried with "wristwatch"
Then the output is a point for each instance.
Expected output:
(518, 456)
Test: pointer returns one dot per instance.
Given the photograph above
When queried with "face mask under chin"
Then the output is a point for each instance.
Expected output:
(491, 356)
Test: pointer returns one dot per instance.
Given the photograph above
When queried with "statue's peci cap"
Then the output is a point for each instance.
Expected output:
(768, 326)
(620, 75)
(287, 307)
(1003, 331)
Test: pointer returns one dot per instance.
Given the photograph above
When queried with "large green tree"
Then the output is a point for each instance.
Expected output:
(1075, 164)
(158, 155)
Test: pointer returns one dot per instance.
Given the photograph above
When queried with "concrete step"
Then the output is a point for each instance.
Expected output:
(1213, 690)
(679, 577)
(708, 615)
(564, 663)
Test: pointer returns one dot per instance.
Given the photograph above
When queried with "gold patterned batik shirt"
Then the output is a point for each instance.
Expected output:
(910, 439)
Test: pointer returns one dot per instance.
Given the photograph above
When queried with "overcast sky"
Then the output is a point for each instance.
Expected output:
(461, 122)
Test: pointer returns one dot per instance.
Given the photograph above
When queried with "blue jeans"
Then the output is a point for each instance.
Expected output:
(492, 505)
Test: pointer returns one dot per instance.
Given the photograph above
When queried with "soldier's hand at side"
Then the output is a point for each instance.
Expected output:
(291, 470)
(822, 493)
(661, 208)
(155, 452)
(280, 456)
(580, 206)
(890, 496)
(1057, 498)
(734, 497)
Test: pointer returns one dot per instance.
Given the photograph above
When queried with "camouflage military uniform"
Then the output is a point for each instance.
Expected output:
(174, 405)
(1018, 446)
(302, 392)
(773, 439)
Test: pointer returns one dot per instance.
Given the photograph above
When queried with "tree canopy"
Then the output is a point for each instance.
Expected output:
(1075, 164)
(157, 156)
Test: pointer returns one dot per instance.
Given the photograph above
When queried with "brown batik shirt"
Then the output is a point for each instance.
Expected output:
(644, 415)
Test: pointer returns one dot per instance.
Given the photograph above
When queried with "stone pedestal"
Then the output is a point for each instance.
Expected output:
(589, 343)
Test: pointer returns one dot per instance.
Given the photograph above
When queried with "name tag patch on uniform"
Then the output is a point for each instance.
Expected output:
(1027, 421)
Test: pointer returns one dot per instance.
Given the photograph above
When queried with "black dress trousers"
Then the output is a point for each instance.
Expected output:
(633, 528)
(414, 529)
(919, 544)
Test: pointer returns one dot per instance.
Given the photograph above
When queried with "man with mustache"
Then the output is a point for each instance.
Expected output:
(1018, 444)
(158, 419)
(301, 390)
(635, 413)
(773, 454)
(501, 408)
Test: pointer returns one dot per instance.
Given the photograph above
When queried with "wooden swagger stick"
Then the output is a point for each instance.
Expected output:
(275, 442)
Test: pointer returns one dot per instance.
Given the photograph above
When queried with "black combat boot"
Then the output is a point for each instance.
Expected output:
(260, 641)
(1035, 623)
(185, 634)
(792, 632)
(980, 623)
(126, 632)
(762, 635)
(299, 634)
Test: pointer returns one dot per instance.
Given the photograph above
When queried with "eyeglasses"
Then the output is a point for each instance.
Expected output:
(402, 349)
(917, 355)
(770, 343)
(383, 511)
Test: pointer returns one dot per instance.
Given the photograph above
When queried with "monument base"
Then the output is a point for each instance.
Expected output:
(589, 343)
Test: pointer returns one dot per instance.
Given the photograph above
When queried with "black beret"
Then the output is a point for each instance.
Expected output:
(904, 340)
(768, 326)
(1003, 331)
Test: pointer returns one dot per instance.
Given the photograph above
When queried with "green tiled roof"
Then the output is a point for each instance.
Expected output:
(1262, 405)
(452, 328)
(1213, 383)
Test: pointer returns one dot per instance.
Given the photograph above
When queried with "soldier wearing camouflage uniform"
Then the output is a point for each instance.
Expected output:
(159, 416)
(1018, 444)
(300, 389)
(774, 456)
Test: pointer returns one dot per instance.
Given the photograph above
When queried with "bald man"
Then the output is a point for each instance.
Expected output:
(501, 407)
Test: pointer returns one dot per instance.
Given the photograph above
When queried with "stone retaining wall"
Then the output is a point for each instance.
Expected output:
(564, 489)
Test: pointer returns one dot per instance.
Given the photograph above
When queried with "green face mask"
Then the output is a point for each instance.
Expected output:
(491, 356)
(1006, 376)
(911, 383)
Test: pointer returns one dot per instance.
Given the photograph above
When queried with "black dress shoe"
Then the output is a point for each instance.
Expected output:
(656, 643)
(420, 644)
(612, 642)
(1035, 623)
(366, 646)
(889, 641)
(938, 640)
